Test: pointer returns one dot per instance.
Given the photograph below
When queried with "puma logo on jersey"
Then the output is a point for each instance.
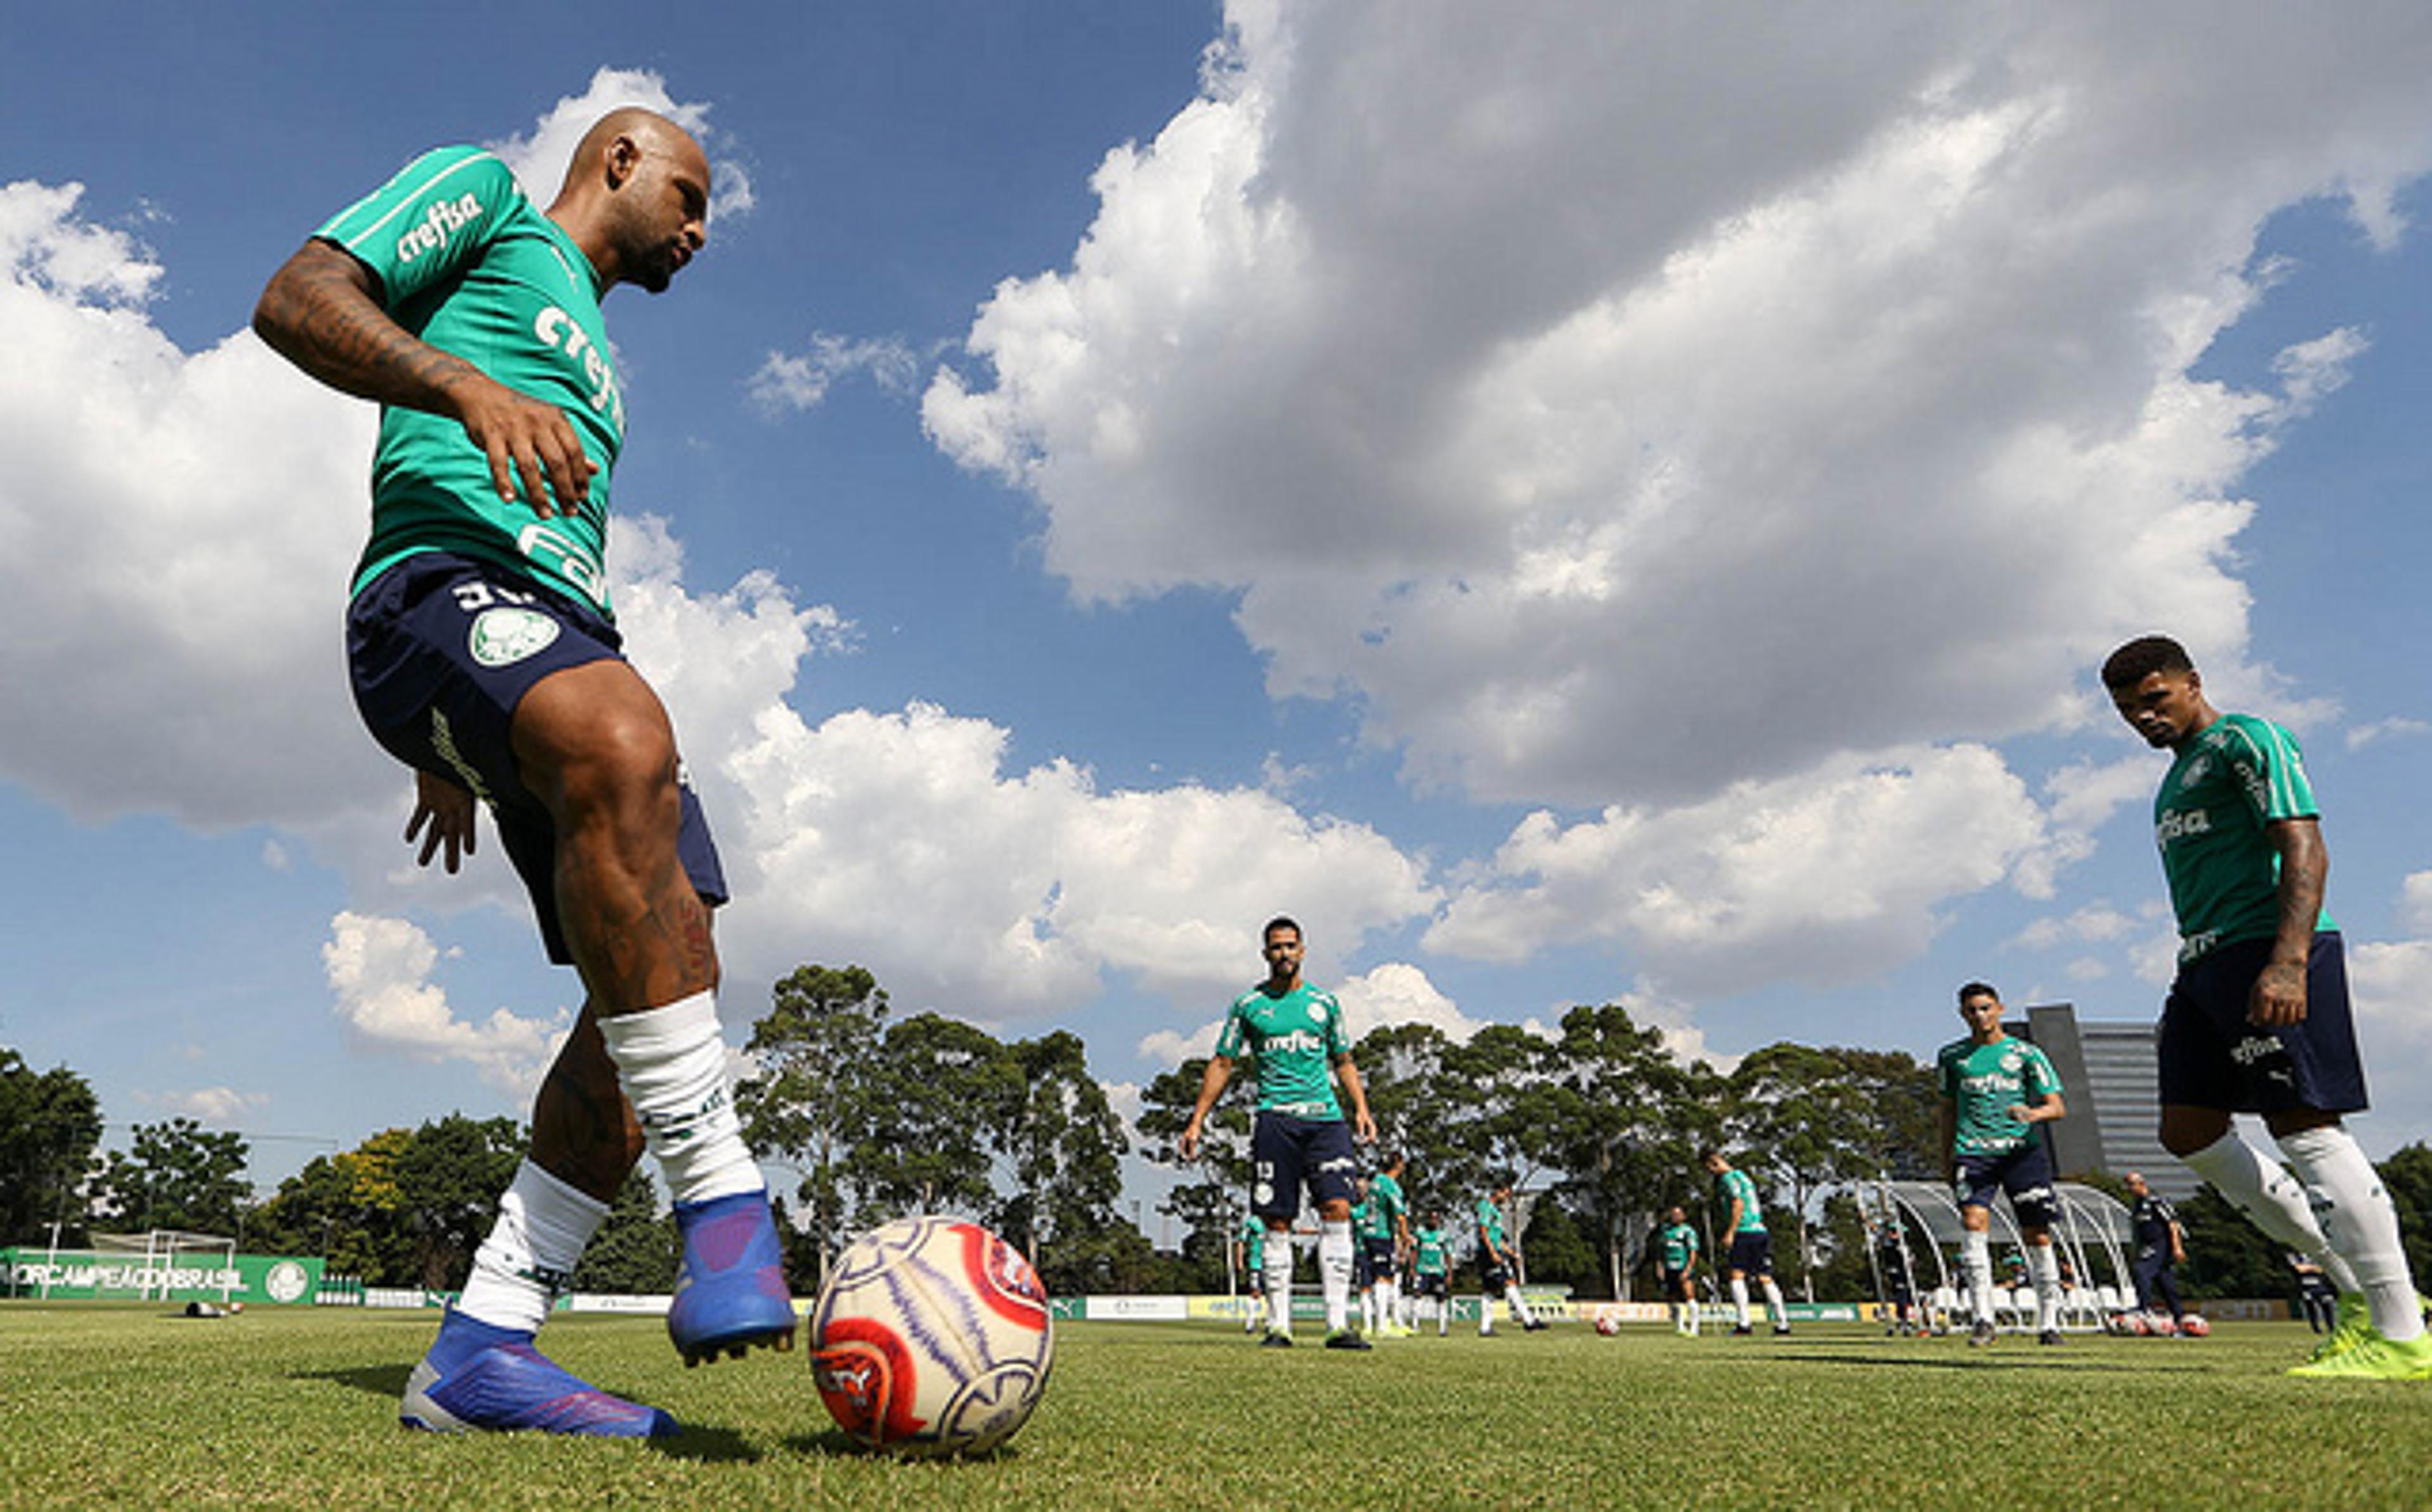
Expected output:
(444, 219)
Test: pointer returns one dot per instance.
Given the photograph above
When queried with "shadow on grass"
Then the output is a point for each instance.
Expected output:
(379, 1380)
(838, 1444)
(1982, 1361)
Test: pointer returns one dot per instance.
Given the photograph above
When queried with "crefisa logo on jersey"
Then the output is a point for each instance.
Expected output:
(505, 635)
(444, 219)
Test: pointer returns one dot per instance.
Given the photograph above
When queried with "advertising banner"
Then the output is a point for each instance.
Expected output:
(272, 1280)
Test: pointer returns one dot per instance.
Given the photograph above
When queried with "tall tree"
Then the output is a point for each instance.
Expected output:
(1628, 1120)
(448, 1179)
(809, 1103)
(1209, 1198)
(49, 1123)
(946, 1095)
(636, 1250)
(1066, 1144)
(1425, 1111)
(345, 1208)
(176, 1175)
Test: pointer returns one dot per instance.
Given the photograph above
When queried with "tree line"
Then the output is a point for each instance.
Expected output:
(875, 1116)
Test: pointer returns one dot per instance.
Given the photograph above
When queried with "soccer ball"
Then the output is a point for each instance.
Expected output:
(2193, 1326)
(2161, 1325)
(932, 1336)
(1608, 1323)
(2137, 1323)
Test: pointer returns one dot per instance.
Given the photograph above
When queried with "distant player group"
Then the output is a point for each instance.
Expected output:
(2257, 1021)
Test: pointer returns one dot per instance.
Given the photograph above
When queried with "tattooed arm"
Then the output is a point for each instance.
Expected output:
(322, 312)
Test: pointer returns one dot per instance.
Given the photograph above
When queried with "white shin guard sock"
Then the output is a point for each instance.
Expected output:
(1739, 1301)
(2349, 1202)
(1279, 1277)
(530, 1254)
(2273, 1200)
(1334, 1270)
(2043, 1264)
(1976, 1260)
(1775, 1312)
(671, 1063)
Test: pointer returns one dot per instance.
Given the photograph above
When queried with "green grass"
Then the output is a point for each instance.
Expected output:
(126, 1405)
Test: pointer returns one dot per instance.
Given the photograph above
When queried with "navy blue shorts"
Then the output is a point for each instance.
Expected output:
(1491, 1277)
(2211, 1057)
(1428, 1283)
(1752, 1252)
(1379, 1251)
(1673, 1285)
(1292, 1152)
(441, 649)
(2025, 1173)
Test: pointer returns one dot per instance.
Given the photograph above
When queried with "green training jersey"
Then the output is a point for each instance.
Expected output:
(1427, 1246)
(2239, 775)
(470, 266)
(1296, 1039)
(1387, 1194)
(1490, 1224)
(1679, 1246)
(1254, 1243)
(1736, 1183)
(1983, 1082)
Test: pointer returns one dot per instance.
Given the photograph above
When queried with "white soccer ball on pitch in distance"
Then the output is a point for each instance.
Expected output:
(1607, 1321)
(932, 1336)
(2160, 1325)
(2135, 1323)
(2193, 1326)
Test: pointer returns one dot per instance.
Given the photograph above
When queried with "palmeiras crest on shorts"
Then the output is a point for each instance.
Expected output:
(505, 635)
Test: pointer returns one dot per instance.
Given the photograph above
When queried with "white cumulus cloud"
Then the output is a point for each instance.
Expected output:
(1623, 404)
(379, 971)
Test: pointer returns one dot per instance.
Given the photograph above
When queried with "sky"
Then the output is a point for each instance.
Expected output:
(1578, 504)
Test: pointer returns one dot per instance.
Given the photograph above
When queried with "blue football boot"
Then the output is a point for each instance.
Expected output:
(481, 1376)
(731, 1294)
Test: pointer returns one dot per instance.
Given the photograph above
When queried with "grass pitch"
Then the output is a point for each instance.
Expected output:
(126, 1405)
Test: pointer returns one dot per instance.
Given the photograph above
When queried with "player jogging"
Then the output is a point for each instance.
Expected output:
(1295, 1033)
(2257, 1019)
(1250, 1258)
(1751, 1253)
(1498, 1265)
(1675, 1267)
(484, 655)
(2161, 1248)
(1995, 1089)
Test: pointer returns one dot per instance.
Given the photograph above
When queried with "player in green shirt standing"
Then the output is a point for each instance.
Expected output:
(1498, 1265)
(1995, 1089)
(1675, 1267)
(1299, 1139)
(1751, 1252)
(1250, 1259)
(2257, 1019)
(484, 655)
(1429, 1271)
(1386, 1239)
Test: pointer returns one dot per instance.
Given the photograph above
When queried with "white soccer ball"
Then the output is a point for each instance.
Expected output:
(2160, 1325)
(2135, 1323)
(1607, 1321)
(2193, 1326)
(932, 1336)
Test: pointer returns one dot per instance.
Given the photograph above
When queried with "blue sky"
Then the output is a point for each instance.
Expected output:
(1576, 504)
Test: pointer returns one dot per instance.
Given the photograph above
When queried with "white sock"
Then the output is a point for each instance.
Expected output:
(671, 1063)
(1334, 1270)
(2273, 1200)
(1393, 1290)
(2355, 1215)
(1278, 1277)
(1368, 1308)
(1519, 1304)
(530, 1255)
(1780, 1314)
(1739, 1300)
(2044, 1266)
(1976, 1259)
(1485, 1315)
